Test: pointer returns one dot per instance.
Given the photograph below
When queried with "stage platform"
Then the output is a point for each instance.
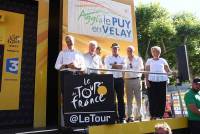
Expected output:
(30, 131)
(178, 125)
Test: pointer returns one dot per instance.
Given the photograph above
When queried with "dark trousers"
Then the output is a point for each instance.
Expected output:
(119, 89)
(194, 127)
(62, 74)
(157, 98)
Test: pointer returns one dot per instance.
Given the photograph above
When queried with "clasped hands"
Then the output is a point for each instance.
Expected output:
(71, 66)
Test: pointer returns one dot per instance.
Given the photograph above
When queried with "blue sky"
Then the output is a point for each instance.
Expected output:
(176, 6)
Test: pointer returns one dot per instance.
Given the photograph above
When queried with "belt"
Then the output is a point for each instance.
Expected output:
(119, 78)
(133, 78)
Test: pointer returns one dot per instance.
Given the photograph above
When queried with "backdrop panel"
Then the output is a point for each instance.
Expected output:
(19, 38)
(88, 100)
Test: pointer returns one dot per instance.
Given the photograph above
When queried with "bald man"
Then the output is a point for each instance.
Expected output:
(92, 60)
(133, 83)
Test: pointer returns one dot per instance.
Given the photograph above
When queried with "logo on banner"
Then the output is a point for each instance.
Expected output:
(102, 18)
(88, 93)
(88, 99)
(91, 118)
(12, 65)
(14, 40)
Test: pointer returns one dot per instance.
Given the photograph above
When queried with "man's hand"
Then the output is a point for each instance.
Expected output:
(117, 66)
(71, 65)
(194, 109)
(64, 66)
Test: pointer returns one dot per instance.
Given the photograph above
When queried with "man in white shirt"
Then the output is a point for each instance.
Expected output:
(69, 59)
(92, 60)
(133, 83)
(115, 61)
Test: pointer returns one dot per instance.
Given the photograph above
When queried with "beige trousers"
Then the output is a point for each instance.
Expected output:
(133, 89)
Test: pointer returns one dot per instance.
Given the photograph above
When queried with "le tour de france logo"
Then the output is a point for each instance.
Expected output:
(88, 93)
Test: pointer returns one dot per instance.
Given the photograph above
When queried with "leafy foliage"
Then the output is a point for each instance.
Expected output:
(155, 26)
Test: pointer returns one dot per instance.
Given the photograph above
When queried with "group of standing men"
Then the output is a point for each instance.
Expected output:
(74, 62)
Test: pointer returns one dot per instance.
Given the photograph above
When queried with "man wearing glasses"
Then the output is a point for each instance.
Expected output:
(93, 60)
(133, 83)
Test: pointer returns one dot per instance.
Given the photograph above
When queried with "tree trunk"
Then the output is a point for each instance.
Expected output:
(163, 45)
(185, 40)
(147, 49)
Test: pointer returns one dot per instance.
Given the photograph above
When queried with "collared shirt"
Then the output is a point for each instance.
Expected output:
(109, 60)
(135, 65)
(93, 61)
(192, 97)
(157, 66)
(70, 56)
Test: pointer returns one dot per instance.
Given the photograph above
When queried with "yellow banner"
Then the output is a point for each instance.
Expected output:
(11, 38)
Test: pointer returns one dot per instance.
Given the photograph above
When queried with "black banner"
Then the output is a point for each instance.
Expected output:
(88, 100)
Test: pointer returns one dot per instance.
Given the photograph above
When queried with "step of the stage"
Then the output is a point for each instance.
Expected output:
(45, 131)
(29, 131)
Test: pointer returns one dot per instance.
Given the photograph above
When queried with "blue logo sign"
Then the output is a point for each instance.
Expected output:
(12, 65)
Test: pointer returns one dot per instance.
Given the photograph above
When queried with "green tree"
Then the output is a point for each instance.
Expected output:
(162, 29)
(188, 33)
(187, 26)
(154, 26)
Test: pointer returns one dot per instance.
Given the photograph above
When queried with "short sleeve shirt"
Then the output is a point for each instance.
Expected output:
(92, 62)
(135, 65)
(157, 66)
(109, 60)
(192, 97)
